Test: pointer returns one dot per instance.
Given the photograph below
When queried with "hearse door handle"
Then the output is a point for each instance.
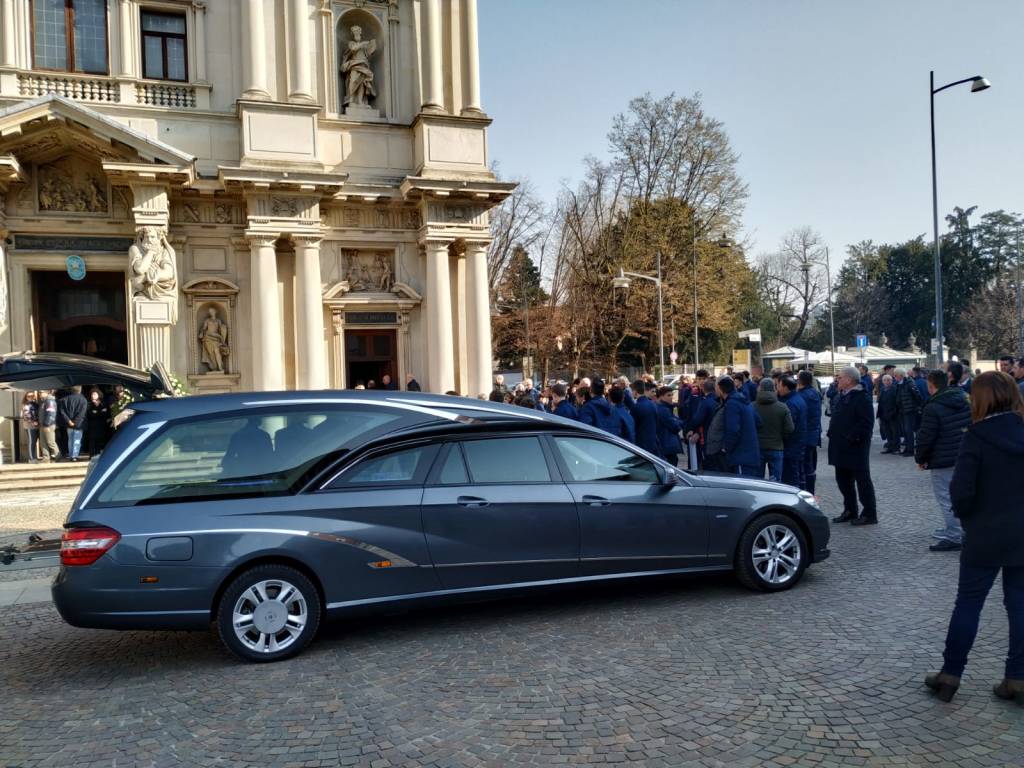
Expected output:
(472, 502)
(595, 501)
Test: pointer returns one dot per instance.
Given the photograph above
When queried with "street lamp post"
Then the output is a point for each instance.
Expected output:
(978, 83)
(623, 280)
(831, 317)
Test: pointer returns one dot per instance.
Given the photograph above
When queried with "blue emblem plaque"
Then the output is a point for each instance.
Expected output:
(76, 267)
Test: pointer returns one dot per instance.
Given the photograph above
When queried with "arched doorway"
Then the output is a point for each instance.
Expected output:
(81, 317)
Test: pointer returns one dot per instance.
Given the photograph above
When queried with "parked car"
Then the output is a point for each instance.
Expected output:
(264, 513)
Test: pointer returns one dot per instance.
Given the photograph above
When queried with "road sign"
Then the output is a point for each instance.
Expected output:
(754, 334)
(741, 359)
(935, 346)
(862, 340)
(673, 356)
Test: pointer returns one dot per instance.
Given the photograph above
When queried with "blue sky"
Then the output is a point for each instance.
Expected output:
(826, 101)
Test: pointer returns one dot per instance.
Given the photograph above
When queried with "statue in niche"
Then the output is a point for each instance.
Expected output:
(384, 276)
(356, 70)
(154, 274)
(213, 341)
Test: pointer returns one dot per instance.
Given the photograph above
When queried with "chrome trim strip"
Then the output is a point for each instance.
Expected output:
(146, 430)
(644, 557)
(462, 407)
(283, 531)
(397, 561)
(520, 584)
(388, 403)
(509, 562)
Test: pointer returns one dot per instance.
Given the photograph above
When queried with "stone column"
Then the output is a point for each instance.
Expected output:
(310, 355)
(438, 301)
(478, 318)
(434, 86)
(472, 95)
(254, 53)
(267, 345)
(300, 79)
(8, 55)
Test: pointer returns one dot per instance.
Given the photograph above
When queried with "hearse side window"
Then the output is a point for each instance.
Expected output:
(596, 461)
(397, 467)
(256, 453)
(506, 460)
(453, 471)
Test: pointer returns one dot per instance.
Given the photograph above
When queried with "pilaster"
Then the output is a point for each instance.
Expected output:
(267, 344)
(438, 307)
(310, 352)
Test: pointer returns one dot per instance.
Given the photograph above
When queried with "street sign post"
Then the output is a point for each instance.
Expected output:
(862, 344)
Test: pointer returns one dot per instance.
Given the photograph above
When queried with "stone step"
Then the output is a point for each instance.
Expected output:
(40, 484)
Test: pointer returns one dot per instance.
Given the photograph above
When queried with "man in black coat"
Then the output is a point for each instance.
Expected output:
(945, 418)
(72, 410)
(849, 448)
(889, 415)
(910, 402)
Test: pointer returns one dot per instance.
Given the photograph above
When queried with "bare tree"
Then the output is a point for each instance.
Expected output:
(670, 148)
(518, 222)
(793, 280)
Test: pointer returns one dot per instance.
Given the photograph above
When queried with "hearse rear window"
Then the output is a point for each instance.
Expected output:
(246, 454)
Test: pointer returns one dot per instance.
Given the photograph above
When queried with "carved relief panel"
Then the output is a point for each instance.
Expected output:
(372, 217)
(368, 271)
(197, 211)
(72, 184)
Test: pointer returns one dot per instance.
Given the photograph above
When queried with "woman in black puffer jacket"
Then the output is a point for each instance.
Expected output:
(987, 488)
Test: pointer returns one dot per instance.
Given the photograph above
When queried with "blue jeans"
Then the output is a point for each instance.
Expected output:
(975, 583)
(951, 529)
(773, 461)
(74, 442)
(33, 444)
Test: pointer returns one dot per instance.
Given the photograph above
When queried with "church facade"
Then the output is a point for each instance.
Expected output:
(261, 194)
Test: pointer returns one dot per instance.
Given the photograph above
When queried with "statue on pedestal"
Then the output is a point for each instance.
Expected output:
(356, 70)
(213, 340)
(154, 274)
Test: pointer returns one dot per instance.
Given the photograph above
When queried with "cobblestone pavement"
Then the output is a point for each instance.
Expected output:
(694, 672)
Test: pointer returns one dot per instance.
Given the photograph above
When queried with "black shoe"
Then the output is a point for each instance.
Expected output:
(907, 455)
(945, 545)
(844, 518)
(865, 521)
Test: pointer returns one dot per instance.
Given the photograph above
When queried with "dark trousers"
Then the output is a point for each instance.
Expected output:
(893, 432)
(974, 586)
(853, 483)
(715, 462)
(793, 467)
(908, 425)
(672, 458)
(810, 468)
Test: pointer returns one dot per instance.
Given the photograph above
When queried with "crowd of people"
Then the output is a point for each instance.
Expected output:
(62, 424)
(966, 431)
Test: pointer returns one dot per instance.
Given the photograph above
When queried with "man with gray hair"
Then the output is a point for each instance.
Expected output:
(849, 448)
(889, 415)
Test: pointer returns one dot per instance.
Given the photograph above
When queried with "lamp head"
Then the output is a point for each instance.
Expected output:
(980, 84)
(621, 281)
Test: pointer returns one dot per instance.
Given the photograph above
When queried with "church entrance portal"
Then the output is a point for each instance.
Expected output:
(81, 317)
(369, 354)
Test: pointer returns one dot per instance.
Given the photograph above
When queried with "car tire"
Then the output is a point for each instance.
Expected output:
(772, 554)
(268, 613)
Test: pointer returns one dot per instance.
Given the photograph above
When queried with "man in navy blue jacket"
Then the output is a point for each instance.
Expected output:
(560, 406)
(794, 442)
(645, 417)
(700, 416)
(668, 427)
(598, 412)
(809, 392)
(617, 396)
(742, 451)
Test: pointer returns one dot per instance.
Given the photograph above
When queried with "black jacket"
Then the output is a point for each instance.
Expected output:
(909, 396)
(888, 402)
(946, 417)
(72, 409)
(987, 488)
(850, 430)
